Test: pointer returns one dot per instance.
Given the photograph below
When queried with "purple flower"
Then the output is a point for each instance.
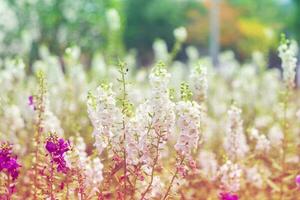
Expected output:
(30, 100)
(51, 146)
(57, 148)
(8, 162)
(297, 180)
(228, 196)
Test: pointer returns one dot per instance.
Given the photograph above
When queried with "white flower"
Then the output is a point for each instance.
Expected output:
(160, 105)
(157, 113)
(199, 83)
(94, 175)
(180, 34)
(80, 151)
(51, 123)
(275, 135)
(131, 143)
(254, 177)
(230, 176)
(105, 117)
(262, 142)
(156, 188)
(235, 142)
(288, 53)
(11, 123)
(208, 163)
(189, 118)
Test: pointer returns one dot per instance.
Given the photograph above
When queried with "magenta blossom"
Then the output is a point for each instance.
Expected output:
(9, 162)
(30, 100)
(228, 196)
(297, 180)
(57, 147)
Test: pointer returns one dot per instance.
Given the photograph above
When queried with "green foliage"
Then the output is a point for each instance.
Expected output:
(148, 20)
(185, 91)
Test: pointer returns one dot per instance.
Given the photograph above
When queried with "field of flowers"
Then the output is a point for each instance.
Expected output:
(176, 131)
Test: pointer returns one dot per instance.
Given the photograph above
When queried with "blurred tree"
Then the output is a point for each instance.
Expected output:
(59, 24)
(295, 22)
(245, 26)
(148, 20)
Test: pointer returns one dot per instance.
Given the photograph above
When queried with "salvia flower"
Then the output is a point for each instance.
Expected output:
(57, 147)
(8, 162)
(228, 196)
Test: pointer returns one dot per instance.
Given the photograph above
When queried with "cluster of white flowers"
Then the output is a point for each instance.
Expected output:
(12, 122)
(93, 172)
(275, 135)
(254, 177)
(199, 83)
(156, 116)
(263, 145)
(80, 151)
(287, 53)
(230, 176)
(12, 73)
(208, 164)
(132, 142)
(156, 189)
(51, 123)
(159, 104)
(105, 116)
(235, 141)
(180, 34)
(189, 118)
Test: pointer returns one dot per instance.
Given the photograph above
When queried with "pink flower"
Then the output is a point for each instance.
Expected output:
(182, 171)
(228, 196)
(192, 164)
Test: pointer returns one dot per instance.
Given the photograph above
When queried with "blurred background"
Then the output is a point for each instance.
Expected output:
(115, 27)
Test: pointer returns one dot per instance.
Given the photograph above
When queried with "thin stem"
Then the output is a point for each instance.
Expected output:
(39, 129)
(173, 178)
(152, 168)
(124, 110)
(284, 144)
(9, 193)
(51, 181)
(174, 52)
